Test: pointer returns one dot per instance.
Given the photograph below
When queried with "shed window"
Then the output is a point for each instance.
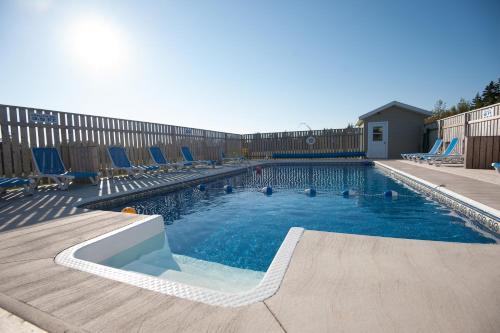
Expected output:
(378, 133)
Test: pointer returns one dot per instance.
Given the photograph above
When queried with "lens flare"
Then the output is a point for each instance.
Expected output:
(97, 43)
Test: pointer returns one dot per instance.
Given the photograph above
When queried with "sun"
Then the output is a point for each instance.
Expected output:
(97, 43)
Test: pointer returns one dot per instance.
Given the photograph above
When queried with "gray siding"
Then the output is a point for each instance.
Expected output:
(405, 130)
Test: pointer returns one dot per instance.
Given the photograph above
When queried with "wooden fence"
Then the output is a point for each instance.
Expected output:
(263, 145)
(481, 151)
(480, 122)
(82, 139)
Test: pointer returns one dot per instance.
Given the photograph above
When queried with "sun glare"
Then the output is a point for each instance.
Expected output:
(97, 43)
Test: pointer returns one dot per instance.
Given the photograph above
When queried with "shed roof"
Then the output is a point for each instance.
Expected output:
(398, 104)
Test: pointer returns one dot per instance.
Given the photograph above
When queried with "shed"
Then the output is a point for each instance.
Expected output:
(392, 129)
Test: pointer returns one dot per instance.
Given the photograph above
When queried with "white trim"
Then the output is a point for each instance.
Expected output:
(480, 120)
(398, 104)
(267, 287)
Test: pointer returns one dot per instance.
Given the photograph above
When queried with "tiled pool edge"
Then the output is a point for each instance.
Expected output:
(117, 199)
(112, 200)
(266, 288)
(488, 218)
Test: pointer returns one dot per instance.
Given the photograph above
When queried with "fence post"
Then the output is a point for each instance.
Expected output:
(6, 143)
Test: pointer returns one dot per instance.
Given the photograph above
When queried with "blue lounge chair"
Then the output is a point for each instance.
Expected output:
(120, 161)
(496, 166)
(27, 184)
(48, 164)
(231, 160)
(447, 156)
(188, 157)
(433, 151)
(161, 161)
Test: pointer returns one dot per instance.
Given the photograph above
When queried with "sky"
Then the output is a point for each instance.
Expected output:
(244, 66)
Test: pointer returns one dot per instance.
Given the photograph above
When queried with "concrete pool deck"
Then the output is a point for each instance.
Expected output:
(480, 185)
(335, 282)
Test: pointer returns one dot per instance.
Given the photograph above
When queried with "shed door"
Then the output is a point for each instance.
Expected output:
(377, 139)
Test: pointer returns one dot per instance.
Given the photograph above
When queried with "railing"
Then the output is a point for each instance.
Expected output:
(82, 139)
(480, 122)
(263, 145)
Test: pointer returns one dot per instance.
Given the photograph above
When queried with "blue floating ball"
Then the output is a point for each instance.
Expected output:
(310, 192)
(267, 190)
(228, 188)
(391, 194)
(201, 187)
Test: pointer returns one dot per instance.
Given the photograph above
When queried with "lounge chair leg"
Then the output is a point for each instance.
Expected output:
(61, 183)
(93, 180)
(29, 189)
(37, 183)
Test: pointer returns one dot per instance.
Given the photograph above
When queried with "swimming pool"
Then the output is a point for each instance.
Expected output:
(226, 241)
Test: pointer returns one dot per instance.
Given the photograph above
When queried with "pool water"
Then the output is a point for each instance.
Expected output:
(237, 234)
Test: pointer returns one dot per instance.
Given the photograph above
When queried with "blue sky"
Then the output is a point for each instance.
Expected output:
(244, 66)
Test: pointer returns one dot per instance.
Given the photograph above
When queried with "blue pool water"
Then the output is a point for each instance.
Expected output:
(244, 229)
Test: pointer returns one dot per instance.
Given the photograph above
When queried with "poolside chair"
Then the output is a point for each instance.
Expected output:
(446, 157)
(27, 184)
(496, 166)
(188, 157)
(120, 161)
(161, 161)
(231, 160)
(433, 151)
(48, 164)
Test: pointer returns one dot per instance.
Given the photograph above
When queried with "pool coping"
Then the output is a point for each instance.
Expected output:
(110, 200)
(483, 216)
(267, 287)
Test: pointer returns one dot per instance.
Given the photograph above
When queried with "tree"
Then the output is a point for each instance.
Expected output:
(489, 95)
(497, 91)
(439, 108)
(477, 102)
(463, 106)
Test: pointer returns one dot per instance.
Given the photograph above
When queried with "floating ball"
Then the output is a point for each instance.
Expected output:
(267, 190)
(348, 193)
(228, 188)
(310, 192)
(129, 210)
(391, 194)
(201, 187)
